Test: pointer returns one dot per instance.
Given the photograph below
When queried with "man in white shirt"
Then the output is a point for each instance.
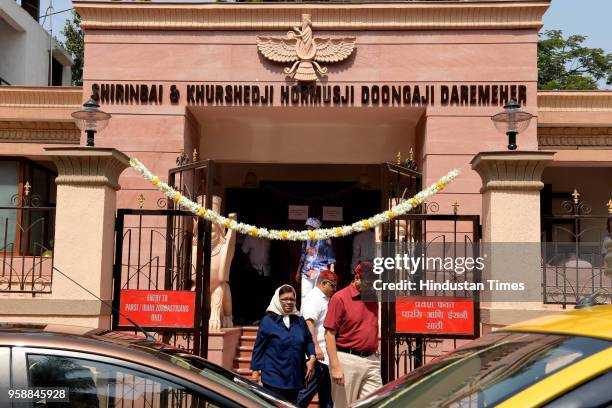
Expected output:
(259, 280)
(258, 250)
(314, 310)
(363, 248)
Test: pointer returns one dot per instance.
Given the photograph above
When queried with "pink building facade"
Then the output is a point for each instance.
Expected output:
(420, 80)
(422, 77)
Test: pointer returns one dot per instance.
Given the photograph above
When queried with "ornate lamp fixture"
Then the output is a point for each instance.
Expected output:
(511, 122)
(91, 119)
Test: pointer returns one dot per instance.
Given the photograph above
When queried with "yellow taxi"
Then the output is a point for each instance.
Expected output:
(560, 360)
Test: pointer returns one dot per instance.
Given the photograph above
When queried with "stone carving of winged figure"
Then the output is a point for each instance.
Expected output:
(305, 51)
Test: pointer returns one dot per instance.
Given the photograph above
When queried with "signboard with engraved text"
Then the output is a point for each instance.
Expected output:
(298, 212)
(332, 213)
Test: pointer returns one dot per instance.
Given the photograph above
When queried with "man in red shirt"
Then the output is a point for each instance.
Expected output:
(351, 336)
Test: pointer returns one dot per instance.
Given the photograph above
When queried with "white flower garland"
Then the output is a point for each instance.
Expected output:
(290, 235)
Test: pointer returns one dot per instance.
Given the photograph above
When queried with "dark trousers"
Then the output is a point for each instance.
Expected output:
(319, 383)
(289, 395)
(261, 293)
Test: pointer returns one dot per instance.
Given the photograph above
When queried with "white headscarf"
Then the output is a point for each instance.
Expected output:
(277, 307)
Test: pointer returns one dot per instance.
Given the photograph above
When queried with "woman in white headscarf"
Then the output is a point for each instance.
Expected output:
(282, 344)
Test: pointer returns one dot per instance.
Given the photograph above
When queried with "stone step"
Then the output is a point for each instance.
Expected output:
(244, 372)
(249, 330)
(245, 352)
(247, 341)
(242, 362)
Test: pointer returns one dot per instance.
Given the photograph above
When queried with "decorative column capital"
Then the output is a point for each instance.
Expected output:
(511, 170)
(88, 166)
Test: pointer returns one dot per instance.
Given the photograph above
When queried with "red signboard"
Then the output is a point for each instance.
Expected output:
(439, 315)
(158, 308)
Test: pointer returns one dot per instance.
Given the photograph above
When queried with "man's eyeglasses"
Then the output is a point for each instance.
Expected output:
(332, 284)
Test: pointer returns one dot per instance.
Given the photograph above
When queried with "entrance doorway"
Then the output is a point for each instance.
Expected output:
(267, 159)
(268, 203)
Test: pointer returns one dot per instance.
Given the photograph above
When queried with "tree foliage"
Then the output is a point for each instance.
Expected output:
(74, 44)
(567, 64)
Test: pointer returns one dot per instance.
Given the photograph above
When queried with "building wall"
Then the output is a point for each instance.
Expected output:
(13, 42)
(451, 135)
(24, 48)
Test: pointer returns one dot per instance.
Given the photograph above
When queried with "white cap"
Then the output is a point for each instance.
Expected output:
(313, 222)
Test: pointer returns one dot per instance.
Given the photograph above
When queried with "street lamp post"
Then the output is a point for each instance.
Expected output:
(91, 119)
(512, 121)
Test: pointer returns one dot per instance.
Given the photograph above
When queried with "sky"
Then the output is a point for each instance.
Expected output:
(590, 18)
(585, 17)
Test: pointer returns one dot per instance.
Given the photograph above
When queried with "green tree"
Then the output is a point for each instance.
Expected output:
(74, 44)
(567, 64)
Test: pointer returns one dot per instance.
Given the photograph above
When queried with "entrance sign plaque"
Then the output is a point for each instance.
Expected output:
(435, 316)
(298, 212)
(158, 308)
(332, 213)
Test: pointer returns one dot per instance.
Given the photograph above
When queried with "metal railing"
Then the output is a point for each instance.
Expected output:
(573, 251)
(26, 249)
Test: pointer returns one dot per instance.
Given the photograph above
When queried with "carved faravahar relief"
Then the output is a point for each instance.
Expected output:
(305, 51)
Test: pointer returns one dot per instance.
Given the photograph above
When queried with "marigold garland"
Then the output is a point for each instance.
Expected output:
(289, 235)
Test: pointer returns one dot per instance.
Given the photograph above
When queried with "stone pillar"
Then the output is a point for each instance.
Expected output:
(87, 185)
(511, 232)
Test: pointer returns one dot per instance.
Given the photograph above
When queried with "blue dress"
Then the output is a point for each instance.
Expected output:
(317, 255)
(281, 352)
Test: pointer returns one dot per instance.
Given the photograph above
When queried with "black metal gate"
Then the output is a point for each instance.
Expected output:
(573, 251)
(169, 249)
(455, 235)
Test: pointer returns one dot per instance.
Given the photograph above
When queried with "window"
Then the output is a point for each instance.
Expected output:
(594, 393)
(58, 72)
(9, 185)
(95, 384)
(210, 371)
(27, 198)
(5, 364)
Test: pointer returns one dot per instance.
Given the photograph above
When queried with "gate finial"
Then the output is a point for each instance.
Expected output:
(141, 200)
(576, 196)
(182, 158)
(455, 206)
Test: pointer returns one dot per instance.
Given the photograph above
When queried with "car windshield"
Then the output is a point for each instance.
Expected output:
(487, 371)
